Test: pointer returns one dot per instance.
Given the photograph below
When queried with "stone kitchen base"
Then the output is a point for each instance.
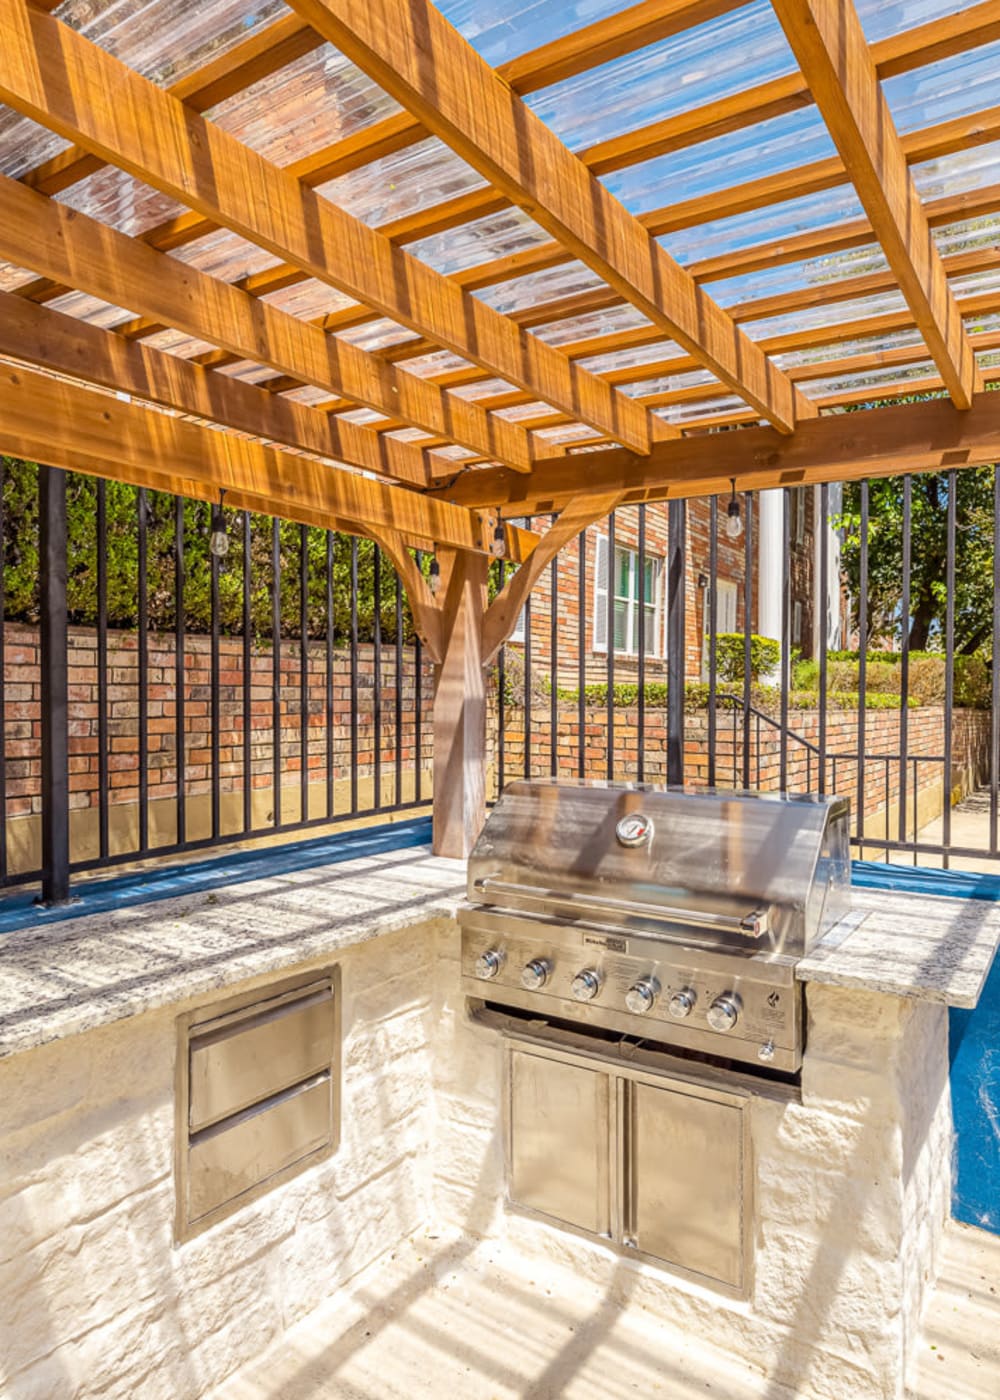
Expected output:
(848, 1180)
(445, 1315)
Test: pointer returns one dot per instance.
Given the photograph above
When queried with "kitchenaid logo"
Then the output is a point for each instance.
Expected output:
(634, 829)
(610, 941)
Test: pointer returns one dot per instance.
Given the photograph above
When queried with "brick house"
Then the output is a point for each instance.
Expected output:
(581, 606)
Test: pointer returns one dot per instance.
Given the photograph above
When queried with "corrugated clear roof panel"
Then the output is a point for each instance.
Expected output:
(497, 236)
(617, 361)
(669, 384)
(783, 143)
(541, 287)
(24, 144)
(12, 277)
(502, 29)
(121, 201)
(177, 343)
(683, 413)
(867, 379)
(378, 335)
(730, 235)
(225, 255)
(403, 183)
(309, 300)
(483, 389)
(164, 40)
(982, 232)
(698, 65)
(821, 318)
(883, 18)
(953, 87)
(601, 323)
(440, 362)
(864, 345)
(825, 271)
(87, 308)
(959, 172)
(308, 105)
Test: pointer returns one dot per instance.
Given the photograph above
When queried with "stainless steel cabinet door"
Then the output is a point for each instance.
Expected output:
(685, 1181)
(559, 1140)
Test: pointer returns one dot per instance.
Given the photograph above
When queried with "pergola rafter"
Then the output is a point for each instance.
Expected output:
(65, 82)
(411, 51)
(829, 43)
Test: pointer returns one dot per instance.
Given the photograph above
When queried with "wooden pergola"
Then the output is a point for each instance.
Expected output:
(195, 298)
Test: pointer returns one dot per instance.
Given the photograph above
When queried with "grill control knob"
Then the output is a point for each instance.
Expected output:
(724, 1012)
(641, 996)
(766, 1052)
(586, 985)
(535, 974)
(488, 964)
(682, 1003)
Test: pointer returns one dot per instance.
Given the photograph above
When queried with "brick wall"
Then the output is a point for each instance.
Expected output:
(22, 714)
(925, 743)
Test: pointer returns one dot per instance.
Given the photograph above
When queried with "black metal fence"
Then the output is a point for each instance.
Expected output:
(178, 676)
(885, 608)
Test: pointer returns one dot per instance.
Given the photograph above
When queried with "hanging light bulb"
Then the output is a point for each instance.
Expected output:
(734, 519)
(434, 576)
(219, 542)
(498, 544)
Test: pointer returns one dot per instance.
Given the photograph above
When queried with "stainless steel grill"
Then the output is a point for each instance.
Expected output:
(676, 916)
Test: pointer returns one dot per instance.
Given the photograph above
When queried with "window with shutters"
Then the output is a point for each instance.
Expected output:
(637, 600)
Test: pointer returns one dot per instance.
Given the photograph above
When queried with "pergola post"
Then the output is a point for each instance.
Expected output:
(55, 761)
(460, 706)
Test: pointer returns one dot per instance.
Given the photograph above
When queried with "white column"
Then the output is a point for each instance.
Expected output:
(770, 538)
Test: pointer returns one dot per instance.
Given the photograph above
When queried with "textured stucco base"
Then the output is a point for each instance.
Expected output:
(95, 1299)
(851, 1193)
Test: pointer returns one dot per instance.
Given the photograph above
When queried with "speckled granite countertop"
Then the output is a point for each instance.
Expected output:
(70, 977)
(909, 945)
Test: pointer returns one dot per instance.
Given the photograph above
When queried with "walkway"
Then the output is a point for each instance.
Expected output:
(970, 827)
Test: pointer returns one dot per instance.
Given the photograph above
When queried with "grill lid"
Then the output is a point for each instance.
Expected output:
(759, 871)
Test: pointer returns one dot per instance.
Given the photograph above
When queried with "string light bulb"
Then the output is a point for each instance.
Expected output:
(498, 544)
(434, 575)
(219, 542)
(734, 517)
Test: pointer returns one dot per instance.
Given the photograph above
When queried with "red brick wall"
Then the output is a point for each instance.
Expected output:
(925, 740)
(22, 712)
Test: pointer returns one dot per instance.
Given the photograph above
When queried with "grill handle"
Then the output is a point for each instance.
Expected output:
(754, 924)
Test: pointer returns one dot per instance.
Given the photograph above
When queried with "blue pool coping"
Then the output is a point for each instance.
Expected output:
(101, 896)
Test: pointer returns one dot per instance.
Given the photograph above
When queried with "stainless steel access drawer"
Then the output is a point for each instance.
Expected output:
(258, 1095)
(247, 1055)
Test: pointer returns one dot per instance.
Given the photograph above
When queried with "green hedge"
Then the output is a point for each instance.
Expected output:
(696, 694)
(927, 675)
(730, 652)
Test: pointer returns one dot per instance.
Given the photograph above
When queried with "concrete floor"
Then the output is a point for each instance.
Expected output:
(970, 827)
(447, 1318)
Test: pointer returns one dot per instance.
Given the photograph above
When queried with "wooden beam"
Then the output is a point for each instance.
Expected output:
(50, 73)
(460, 707)
(502, 614)
(410, 49)
(68, 425)
(51, 340)
(423, 605)
(827, 39)
(49, 237)
(246, 63)
(912, 437)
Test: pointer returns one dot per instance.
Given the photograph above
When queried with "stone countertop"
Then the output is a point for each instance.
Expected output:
(70, 977)
(928, 947)
(73, 976)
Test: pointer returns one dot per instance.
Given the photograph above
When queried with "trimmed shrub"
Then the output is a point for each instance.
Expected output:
(730, 648)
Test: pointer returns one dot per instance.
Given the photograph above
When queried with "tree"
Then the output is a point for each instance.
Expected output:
(974, 546)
